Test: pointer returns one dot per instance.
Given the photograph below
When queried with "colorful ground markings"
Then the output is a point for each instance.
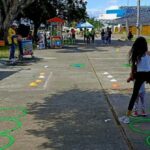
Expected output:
(139, 121)
(42, 73)
(38, 81)
(41, 77)
(7, 133)
(115, 86)
(148, 140)
(109, 76)
(113, 80)
(126, 65)
(141, 125)
(78, 65)
(33, 84)
(46, 66)
(106, 73)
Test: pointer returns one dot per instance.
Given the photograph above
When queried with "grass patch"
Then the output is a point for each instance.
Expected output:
(147, 39)
(4, 52)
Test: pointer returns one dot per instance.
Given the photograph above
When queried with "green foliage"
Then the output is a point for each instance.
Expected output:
(39, 11)
(97, 24)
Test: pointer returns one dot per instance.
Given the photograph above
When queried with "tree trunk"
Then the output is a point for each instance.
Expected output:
(11, 10)
(6, 24)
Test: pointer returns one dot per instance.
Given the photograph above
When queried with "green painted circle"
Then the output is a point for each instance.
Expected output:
(78, 65)
(10, 143)
(21, 109)
(126, 65)
(15, 120)
(138, 130)
(148, 140)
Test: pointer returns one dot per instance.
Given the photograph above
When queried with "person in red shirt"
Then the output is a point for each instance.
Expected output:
(73, 33)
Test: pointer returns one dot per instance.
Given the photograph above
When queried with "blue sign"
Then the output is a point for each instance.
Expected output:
(119, 12)
(122, 12)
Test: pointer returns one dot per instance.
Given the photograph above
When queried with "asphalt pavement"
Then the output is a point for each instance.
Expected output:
(70, 99)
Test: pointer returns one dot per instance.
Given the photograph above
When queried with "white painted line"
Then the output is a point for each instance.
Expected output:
(117, 72)
(106, 73)
(47, 80)
(121, 72)
(41, 77)
(46, 66)
(108, 58)
(50, 58)
(109, 76)
(113, 80)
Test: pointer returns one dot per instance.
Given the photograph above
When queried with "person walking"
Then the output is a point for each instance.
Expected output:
(140, 101)
(139, 58)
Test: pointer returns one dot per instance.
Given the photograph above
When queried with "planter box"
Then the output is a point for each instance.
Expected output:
(2, 43)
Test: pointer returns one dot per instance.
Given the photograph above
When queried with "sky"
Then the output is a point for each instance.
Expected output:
(96, 7)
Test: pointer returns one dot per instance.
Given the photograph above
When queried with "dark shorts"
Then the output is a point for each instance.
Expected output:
(145, 76)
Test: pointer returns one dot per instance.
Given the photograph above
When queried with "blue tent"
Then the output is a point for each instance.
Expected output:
(79, 25)
(85, 25)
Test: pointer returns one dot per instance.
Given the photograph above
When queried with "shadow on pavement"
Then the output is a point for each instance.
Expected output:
(23, 62)
(5, 74)
(98, 46)
(75, 119)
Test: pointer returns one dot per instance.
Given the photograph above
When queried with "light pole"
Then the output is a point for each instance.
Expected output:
(138, 18)
(127, 22)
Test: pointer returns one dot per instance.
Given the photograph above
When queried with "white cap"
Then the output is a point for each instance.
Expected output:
(14, 24)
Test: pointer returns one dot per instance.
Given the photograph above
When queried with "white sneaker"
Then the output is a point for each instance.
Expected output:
(124, 119)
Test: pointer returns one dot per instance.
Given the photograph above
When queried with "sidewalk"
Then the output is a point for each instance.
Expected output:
(75, 106)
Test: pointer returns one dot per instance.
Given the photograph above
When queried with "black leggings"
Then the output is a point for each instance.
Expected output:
(140, 78)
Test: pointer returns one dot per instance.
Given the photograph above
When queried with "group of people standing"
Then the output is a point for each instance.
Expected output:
(106, 36)
(89, 35)
(14, 39)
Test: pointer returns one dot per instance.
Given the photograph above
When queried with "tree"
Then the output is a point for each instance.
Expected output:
(76, 10)
(9, 10)
(39, 12)
(96, 23)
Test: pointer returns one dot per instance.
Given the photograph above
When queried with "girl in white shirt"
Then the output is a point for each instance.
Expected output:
(139, 58)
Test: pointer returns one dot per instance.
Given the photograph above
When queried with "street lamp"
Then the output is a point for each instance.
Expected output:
(138, 18)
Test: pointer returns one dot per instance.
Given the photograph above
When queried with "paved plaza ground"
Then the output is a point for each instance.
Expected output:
(70, 99)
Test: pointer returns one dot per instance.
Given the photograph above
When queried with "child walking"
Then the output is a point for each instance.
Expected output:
(140, 103)
(139, 58)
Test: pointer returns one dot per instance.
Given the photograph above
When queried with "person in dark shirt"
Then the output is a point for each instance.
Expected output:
(130, 35)
(103, 36)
